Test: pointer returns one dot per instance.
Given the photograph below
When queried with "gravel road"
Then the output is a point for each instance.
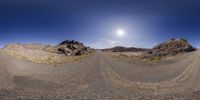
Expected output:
(100, 77)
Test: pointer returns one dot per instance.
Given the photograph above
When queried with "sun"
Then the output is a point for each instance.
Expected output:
(120, 32)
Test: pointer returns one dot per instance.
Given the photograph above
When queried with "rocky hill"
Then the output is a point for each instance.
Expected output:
(46, 53)
(168, 48)
(71, 47)
(125, 49)
(171, 47)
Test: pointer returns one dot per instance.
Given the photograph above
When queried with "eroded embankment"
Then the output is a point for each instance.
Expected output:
(5, 76)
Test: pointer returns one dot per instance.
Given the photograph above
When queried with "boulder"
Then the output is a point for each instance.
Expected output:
(64, 50)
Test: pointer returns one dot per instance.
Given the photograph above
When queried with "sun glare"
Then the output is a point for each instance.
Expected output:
(120, 32)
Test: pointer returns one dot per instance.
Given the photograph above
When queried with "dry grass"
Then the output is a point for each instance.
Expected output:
(40, 55)
(155, 58)
(138, 57)
(133, 57)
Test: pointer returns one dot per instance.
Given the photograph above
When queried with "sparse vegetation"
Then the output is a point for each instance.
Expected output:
(44, 57)
(42, 53)
(155, 58)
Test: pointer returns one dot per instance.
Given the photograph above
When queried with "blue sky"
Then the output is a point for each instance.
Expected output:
(94, 22)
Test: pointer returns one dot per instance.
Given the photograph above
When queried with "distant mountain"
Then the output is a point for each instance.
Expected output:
(171, 47)
(125, 49)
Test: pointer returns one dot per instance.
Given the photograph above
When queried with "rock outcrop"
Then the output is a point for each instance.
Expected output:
(71, 47)
(171, 47)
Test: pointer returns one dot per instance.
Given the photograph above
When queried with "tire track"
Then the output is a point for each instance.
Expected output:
(172, 85)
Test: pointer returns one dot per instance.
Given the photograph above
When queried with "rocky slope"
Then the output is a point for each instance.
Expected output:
(40, 53)
(171, 47)
(71, 47)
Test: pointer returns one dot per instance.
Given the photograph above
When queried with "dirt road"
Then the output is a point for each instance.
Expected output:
(100, 77)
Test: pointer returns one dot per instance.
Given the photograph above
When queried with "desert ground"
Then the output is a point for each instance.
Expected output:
(101, 76)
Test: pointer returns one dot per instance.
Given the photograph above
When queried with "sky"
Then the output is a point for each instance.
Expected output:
(96, 23)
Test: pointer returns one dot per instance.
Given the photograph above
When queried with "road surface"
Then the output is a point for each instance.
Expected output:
(100, 77)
